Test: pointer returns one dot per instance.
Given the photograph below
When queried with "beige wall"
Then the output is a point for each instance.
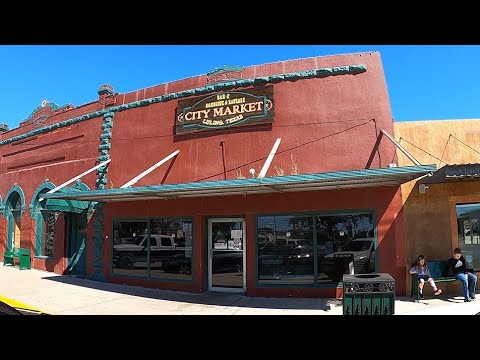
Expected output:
(430, 218)
(434, 137)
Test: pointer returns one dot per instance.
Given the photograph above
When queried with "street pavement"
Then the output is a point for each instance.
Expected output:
(66, 295)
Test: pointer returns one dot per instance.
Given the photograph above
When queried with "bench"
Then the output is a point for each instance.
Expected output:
(437, 270)
(18, 253)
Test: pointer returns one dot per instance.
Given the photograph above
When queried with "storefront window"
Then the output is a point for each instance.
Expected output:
(286, 248)
(340, 239)
(130, 244)
(171, 249)
(166, 253)
(468, 219)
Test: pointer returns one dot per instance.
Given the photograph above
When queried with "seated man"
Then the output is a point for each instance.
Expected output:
(457, 265)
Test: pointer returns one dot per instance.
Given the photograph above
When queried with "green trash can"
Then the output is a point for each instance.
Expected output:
(368, 294)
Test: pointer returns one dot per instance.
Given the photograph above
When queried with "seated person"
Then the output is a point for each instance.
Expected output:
(458, 266)
(423, 273)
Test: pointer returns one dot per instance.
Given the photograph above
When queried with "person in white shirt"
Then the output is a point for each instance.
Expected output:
(421, 269)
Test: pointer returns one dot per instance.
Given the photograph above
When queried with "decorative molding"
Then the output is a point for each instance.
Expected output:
(7, 207)
(225, 68)
(104, 149)
(221, 86)
(39, 121)
(33, 207)
(224, 73)
(104, 154)
(52, 106)
(4, 128)
(79, 185)
(105, 90)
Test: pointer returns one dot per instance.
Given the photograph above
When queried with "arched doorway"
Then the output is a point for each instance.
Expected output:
(45, 221)
(14, 209)
(74, 213)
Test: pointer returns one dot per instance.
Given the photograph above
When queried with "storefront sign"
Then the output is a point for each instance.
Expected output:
(224, 110)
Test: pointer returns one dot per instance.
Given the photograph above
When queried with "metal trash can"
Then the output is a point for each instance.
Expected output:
(368, 294)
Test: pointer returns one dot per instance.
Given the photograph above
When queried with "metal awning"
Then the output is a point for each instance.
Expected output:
(463, 171)
(67, 205)
(455, 172)
(393, 176)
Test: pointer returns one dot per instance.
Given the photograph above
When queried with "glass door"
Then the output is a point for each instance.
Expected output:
(226, 255)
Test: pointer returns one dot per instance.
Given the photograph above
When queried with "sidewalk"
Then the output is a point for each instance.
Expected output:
(67, 295)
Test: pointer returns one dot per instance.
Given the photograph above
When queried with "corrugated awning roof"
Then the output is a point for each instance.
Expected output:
(464, 171)
(456, 172)
(276, 184)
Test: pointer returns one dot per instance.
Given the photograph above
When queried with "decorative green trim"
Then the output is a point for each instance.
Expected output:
(4, 127)
(105, 89)
(38, 233)
(51, 105)
(8, 206)
(1, 205)
(102, 180)
(225, 68)
(10, 220)
(104, 149)
(33, 207)
(307, 74)
(79, 185)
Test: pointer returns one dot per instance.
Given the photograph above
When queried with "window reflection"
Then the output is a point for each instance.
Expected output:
(130, 248)
(285, 250)
(342, 239)
(468, 219)
(167, 253)
(345, 243)
(171, 249)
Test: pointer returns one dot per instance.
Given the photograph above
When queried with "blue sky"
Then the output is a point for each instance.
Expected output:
(424, 82)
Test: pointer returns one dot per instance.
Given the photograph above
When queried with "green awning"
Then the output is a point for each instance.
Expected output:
(67, 205)
(393, 176)
(75, 206)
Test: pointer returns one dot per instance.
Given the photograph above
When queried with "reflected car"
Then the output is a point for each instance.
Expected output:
(222, 262)
(179, 264)
(363, 252)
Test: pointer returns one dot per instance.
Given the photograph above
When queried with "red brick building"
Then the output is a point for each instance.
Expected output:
(218, 213)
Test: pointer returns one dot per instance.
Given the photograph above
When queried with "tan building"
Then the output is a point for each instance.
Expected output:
(442, 211)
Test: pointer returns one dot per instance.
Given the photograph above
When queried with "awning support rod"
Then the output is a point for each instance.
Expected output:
(265, 167)
(149, 170)
(78, 177)
(400, 147)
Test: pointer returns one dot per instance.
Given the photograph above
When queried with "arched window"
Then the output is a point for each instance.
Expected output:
(45, 222)
(14, 208)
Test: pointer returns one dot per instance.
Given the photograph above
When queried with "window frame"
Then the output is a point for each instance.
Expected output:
(476, 264)
(149, 276)
(314, 215)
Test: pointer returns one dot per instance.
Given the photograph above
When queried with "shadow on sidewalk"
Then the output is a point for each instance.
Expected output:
(205, 298)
